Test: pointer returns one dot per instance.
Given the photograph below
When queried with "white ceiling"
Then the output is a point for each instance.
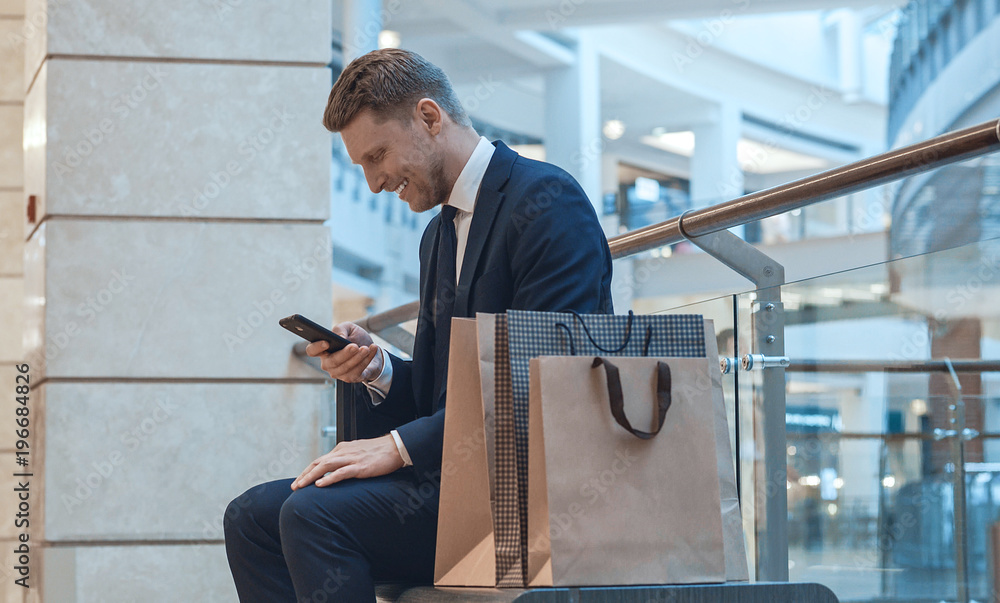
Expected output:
(517, 41)
(447, 17)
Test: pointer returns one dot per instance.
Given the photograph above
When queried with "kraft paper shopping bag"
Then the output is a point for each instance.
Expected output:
(607, 506)
(465, 543)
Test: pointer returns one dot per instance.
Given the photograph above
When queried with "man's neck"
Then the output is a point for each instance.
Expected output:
(460, 148)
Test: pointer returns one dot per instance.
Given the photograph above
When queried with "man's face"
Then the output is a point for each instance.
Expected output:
(399, 156)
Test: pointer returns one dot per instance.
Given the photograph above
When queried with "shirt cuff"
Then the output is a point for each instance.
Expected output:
(401, 448)
(379, 386)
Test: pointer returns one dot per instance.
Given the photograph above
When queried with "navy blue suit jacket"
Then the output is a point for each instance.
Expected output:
(535, 243)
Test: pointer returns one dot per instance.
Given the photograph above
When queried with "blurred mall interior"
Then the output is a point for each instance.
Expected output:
(168, 192)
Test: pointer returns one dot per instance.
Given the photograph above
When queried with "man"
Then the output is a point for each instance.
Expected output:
(512, 233)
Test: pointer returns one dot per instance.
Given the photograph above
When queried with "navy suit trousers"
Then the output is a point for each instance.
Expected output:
(331, 543)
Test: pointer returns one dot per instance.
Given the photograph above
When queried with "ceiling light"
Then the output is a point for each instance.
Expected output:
(613, 129)
(809, 480)
(388, 38)
(680, 143)
(760, 158)
(647, 189)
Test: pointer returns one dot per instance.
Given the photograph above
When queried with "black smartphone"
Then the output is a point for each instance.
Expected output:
(310, 331)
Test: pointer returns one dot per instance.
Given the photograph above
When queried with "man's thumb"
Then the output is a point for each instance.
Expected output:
(374, 368)
(345, 329)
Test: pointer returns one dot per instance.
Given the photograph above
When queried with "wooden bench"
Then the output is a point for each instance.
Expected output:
(761, 592)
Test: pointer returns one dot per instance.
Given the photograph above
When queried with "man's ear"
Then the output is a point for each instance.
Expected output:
(429, 115)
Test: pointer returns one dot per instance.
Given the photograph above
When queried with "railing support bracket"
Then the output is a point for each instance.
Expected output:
(768, 325)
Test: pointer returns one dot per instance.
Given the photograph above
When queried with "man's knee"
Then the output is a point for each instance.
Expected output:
(237, 512)
(296, 512)
(256, 504)
(311, 506)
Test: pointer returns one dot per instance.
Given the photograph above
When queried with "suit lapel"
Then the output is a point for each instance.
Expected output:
(487, 206)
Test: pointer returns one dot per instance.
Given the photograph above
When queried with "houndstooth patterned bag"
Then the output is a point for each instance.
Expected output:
(523, 335)
(511, 563)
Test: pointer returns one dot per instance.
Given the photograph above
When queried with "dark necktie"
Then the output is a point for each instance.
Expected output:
(444, 295)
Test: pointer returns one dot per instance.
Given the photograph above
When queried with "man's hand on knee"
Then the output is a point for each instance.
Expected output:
(355, 459)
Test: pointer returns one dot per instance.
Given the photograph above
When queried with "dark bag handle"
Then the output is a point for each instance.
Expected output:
(628, 335)
(618, 399)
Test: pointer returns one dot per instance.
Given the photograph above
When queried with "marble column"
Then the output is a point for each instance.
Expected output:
(181, 180)
(12, 30)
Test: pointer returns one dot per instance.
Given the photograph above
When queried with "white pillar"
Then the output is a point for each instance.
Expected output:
(716, 174)
(573, 120)
(850, 56)
(610, 184)
(623, 287)
(362, 24)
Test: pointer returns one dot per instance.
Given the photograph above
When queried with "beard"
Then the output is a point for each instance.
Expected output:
(437, 191)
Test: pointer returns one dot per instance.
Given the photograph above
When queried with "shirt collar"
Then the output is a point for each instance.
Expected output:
(466, 188)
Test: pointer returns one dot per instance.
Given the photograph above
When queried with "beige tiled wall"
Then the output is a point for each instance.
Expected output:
(223, 30)
(11, 273)
(11, 162)
(147, 573)
(173, 299)
(11, 56)
(182, 180)
(150, 461)
(247, 147)
(11, 233)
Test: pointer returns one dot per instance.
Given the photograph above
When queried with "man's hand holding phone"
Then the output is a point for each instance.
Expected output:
(359, 361)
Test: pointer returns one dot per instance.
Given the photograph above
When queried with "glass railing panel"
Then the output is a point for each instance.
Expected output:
(840, 523)
(878, 430)
(723, 312)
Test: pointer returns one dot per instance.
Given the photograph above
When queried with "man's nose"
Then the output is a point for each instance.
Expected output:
(375, 181)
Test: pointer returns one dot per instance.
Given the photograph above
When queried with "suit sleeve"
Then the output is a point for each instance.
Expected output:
(398, 403)
(424, 441)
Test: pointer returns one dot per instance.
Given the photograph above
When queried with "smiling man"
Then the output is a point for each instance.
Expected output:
(512, 233)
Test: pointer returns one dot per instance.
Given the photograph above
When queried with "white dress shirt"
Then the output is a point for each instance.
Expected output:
(462, 198)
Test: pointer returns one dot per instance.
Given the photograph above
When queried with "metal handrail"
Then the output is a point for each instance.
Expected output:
(381, 321)
(866, 173)
(894, 366)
